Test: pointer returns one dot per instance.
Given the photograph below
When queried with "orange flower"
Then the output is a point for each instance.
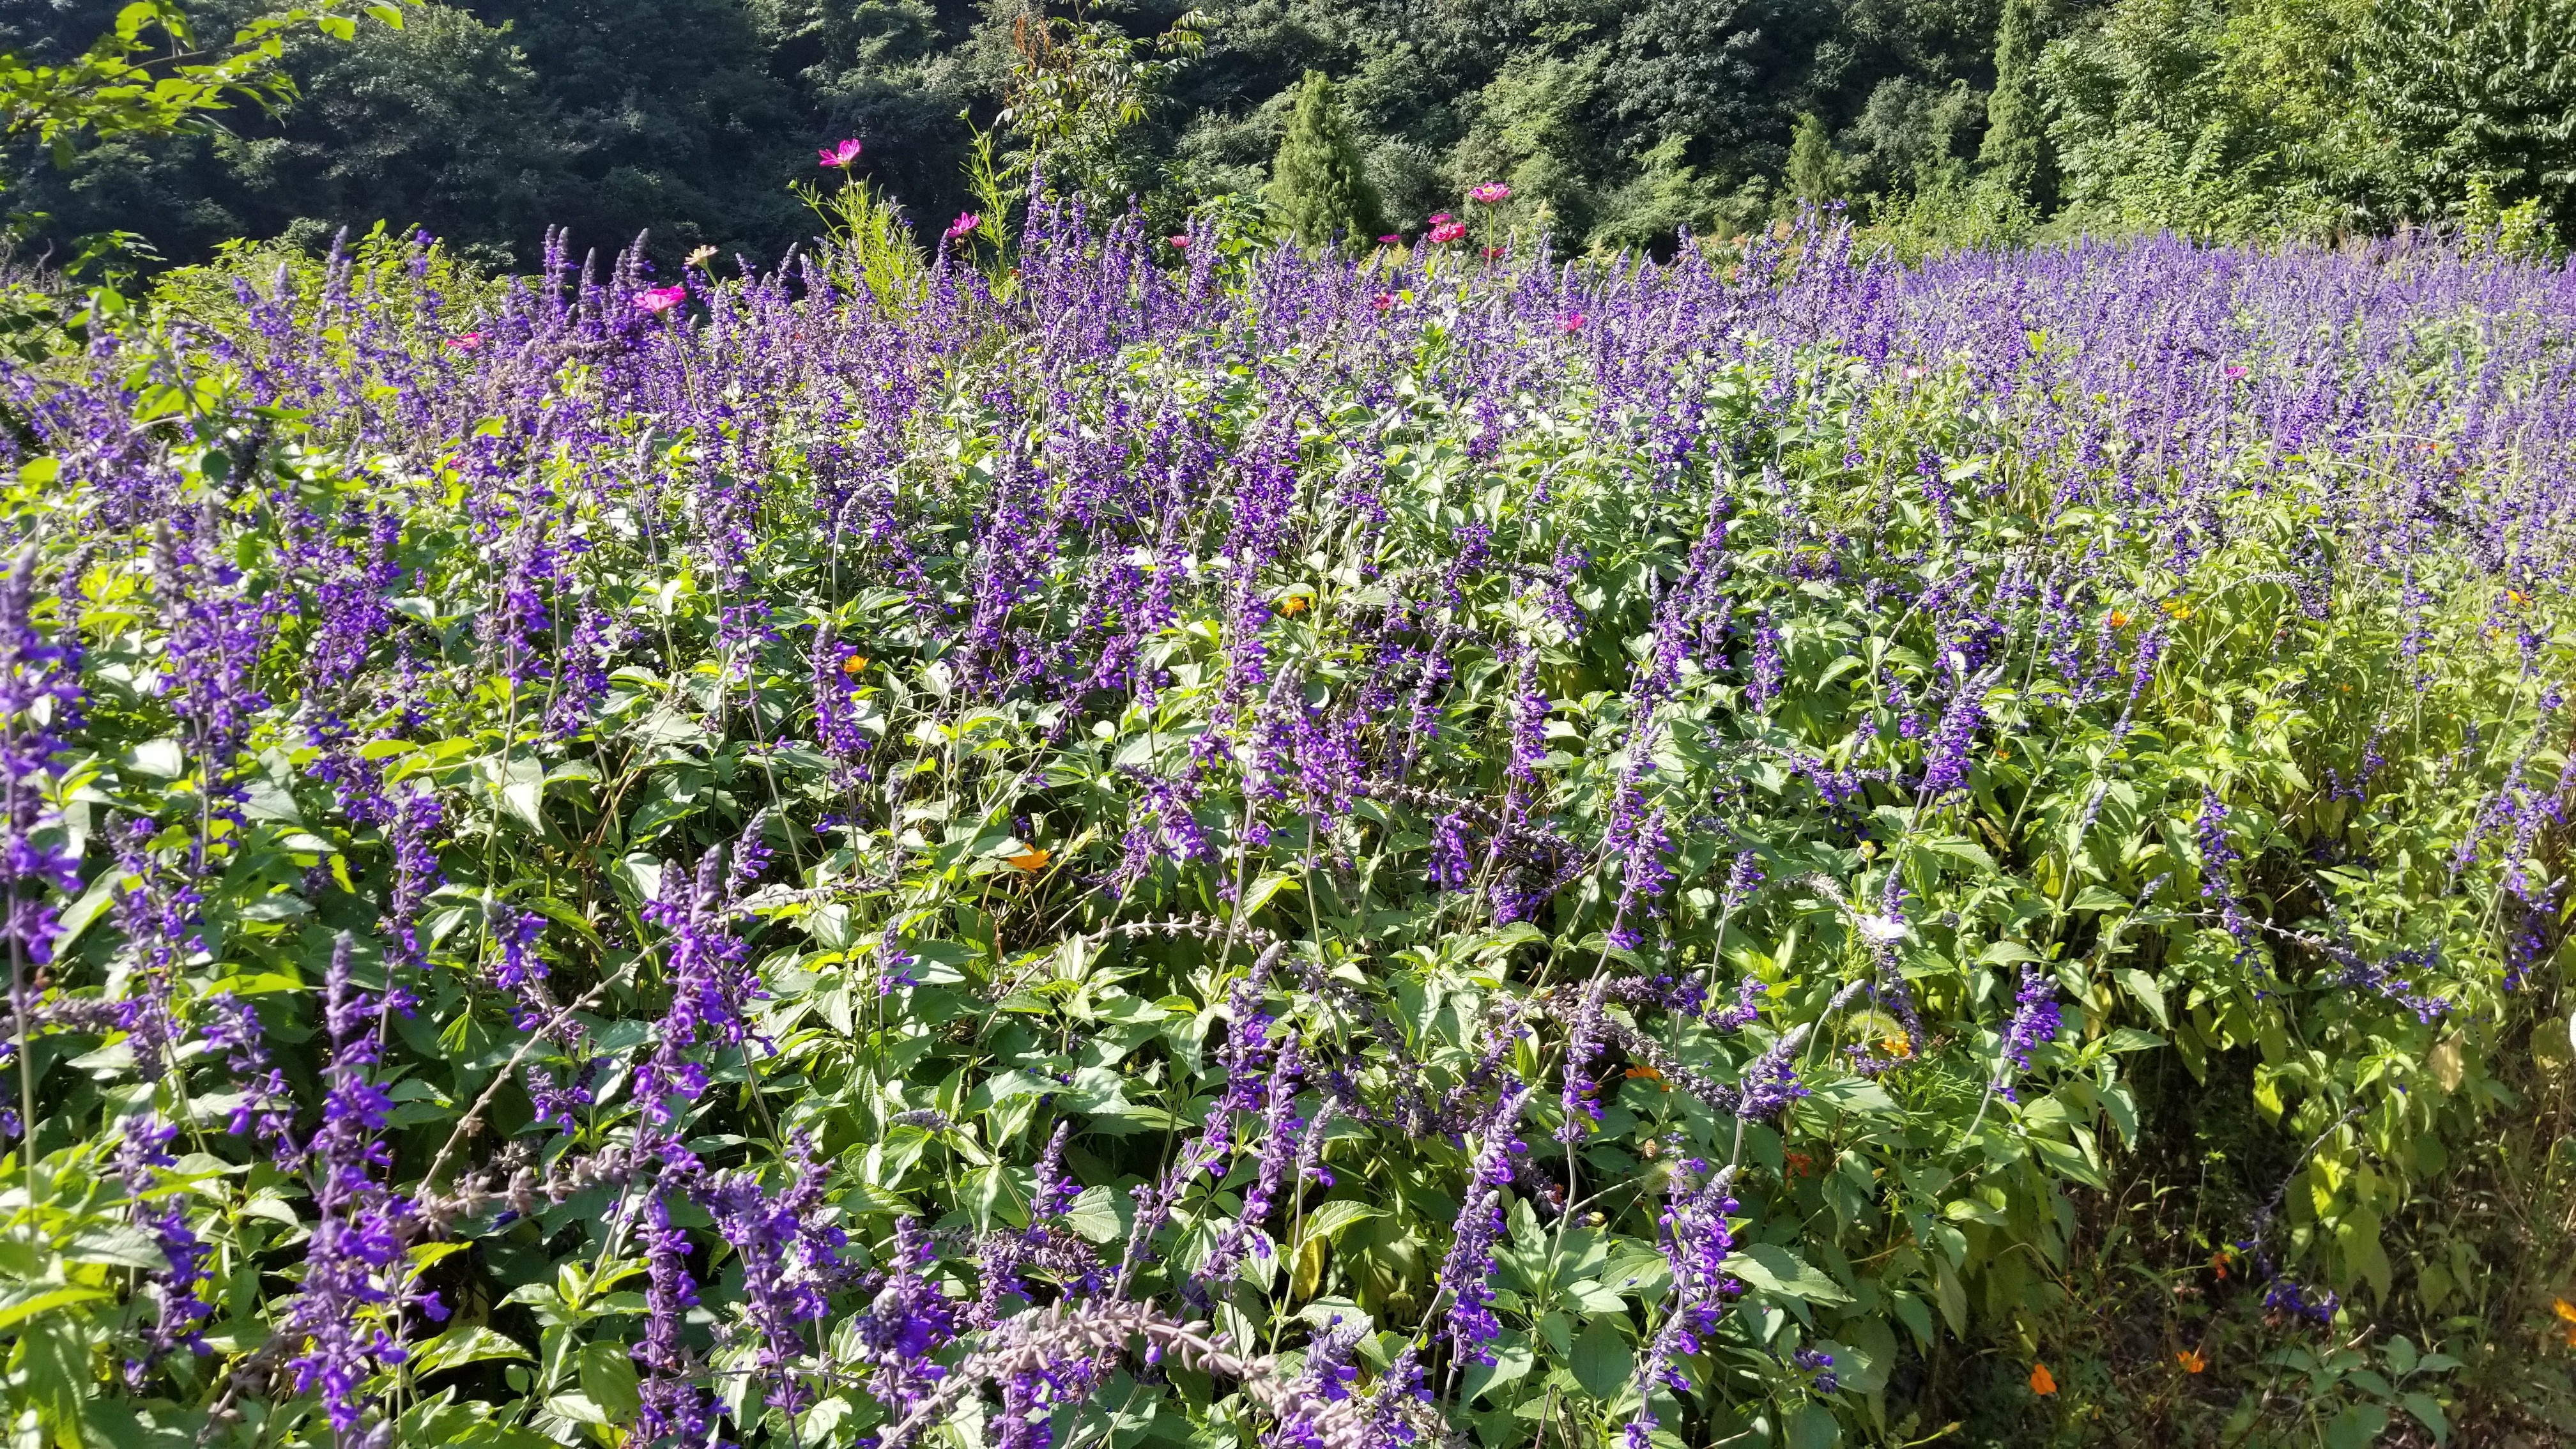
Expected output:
(1293, 605)
(1899, 1047)
(2218, 1264)
(2119, 618)
(2042, 1382)
(1031, 860)
(2566, 1312)
(2191, 1360)
(852, 665)
(1649, 1073)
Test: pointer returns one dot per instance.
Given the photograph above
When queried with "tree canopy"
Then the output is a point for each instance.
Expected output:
(1618, 124)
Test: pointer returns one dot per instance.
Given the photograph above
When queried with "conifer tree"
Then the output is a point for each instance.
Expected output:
(1318, 190)
(1815, 172)
(2014, 154)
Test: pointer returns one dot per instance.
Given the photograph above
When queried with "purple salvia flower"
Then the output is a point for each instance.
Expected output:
(1581, 1095)
(2034, 1022)
(1770, 1081)
(790, 1258)
(346, 1318)
(1466, 1275)
(908, 1319)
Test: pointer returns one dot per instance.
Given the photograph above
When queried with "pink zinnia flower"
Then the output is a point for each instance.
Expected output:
(1438, 217)
(466, 341)
(1179, 241)
(1391, 239)
(965, 222)
(657, 300)
(1447, 232)
(1490, 193)
(841, 155)
(1383, 301)
(1571, 322)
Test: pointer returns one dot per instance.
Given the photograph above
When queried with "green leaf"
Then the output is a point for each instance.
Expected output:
(1333, 1218)
(2143, 986)
(53, 1365)
(460, 1346)
(1602, 1361)
(608, 1380)
(1775, 1269)
(2130, 1039)
(1814, 1428)
(34, 1298)
(2429, 1414)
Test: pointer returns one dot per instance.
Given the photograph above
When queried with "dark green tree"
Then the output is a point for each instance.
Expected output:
(2477, 91)
(1319, 190)
(1815, 173)
(2015, 155)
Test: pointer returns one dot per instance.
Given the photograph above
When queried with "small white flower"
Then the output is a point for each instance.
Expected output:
(1884, 930)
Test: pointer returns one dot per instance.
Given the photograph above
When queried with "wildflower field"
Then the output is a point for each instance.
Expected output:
(1194, 844)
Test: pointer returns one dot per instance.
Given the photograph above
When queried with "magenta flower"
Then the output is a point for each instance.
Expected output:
(1436, 218)
(1490, 194)
(2234, 370)
(1571, 322)
(843, 155)
(658, 300)
(466, 341)
(1447, 232)
(965, 222)
(1383, 301)
(1391, 239)
(1180, 242)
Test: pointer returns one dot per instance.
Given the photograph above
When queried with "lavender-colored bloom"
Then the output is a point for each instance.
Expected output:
(2298, 1301)
(1581, 1096)
(790, 1258)
(908, 1319)
(2034, 1022)
(348, 1312)
(1466, 1275)
(180, 1307)
(674, 1406)
(1696, 1242)
(1819, 1366)
(1770, 1081)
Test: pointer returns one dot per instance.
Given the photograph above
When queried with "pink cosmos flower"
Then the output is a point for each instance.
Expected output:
(1913, 372)
(1571, 322)
(1490, 194)
(1447, 232)
(1391, 239)
(965, 222)
(1383, 301)
(842, 155)
(658, 300)
(1438, 217)
(1180, 242)
(466, 341)
(2234, 371)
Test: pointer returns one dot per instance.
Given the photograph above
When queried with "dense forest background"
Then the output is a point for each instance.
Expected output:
(1616, 122)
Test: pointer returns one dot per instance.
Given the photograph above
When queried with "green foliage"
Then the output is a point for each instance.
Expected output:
(1319, 188)
(946, 978)
(2014, 155)
(119, 86)
(1078, 87)
(1816, 174)
(2476, 90)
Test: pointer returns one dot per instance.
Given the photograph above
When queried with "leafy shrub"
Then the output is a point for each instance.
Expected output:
(1226, 847)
